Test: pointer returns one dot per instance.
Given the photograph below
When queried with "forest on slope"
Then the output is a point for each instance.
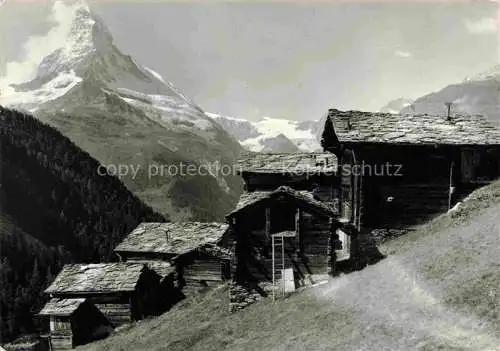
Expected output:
(54, 209)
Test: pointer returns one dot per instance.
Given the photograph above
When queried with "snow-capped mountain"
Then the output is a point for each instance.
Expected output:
(123, 114)
(479, 94)
(89, 55)
(272, 134)
(395, 106)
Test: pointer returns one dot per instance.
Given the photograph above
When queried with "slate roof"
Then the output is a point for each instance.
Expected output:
(255, 198)
(97, 278)
(389, 128)
(61, 307)
(172, 238)
(288, 163)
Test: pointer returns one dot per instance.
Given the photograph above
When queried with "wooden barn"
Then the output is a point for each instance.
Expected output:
(196, 251)
(73, 322)
(287, 232)
(122, 291)
(398, 171)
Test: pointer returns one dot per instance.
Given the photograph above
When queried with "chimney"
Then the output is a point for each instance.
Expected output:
(448, 105)
(349, 125)
(321, 161)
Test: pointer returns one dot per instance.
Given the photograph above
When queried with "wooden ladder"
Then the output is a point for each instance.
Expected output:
(277, 241)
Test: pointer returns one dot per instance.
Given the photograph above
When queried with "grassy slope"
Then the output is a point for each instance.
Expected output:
(439, 289)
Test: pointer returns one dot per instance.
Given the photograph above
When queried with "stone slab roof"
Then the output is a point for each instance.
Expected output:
(97, 278)
(172, 238)
(61, 307)
(288, 163)
(369, 127)
(255, 198)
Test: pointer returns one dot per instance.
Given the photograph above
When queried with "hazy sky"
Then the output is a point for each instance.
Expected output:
(290, 60)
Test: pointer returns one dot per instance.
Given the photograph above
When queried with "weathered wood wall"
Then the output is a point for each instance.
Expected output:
(309, 254)
(61, 335)
(117, 309)
(263, 182)
(402, 205)
(202, 274)
(420, 189)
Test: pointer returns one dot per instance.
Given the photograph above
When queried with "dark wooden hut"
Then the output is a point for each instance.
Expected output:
(122, 291)
(196, 250)
(73, 322)
(398, 171)
(286, 229)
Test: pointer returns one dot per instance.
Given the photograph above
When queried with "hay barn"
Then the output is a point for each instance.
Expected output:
(196, 251)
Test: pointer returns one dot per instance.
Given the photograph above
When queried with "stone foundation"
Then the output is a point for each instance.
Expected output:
(242, 296)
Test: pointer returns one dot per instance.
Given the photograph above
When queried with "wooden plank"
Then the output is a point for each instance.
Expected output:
(268, 223)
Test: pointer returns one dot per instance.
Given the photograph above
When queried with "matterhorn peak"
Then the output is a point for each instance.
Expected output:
(82, 35)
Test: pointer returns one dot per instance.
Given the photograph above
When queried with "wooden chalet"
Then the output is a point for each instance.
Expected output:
(397, 171)
(286, 232)
(73, 322)
(122, 291)
(195, 250)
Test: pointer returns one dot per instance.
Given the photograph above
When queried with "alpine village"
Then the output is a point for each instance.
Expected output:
(302, 219)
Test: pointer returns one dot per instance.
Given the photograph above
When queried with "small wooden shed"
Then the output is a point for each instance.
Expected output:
(73, 322)
(122, 291)
(196, 250)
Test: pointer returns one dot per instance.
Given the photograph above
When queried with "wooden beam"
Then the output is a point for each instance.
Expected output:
(451, 189)
(298, 216)
(268, 222)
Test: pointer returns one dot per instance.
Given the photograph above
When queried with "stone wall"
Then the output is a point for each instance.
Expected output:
(242, 296)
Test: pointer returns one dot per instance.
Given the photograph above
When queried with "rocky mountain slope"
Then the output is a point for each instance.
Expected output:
(126, 115)
(479, 94)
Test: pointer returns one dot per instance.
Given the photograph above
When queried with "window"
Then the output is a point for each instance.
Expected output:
(282, 219)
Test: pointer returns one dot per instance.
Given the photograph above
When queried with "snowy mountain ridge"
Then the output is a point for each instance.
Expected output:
(88, 54)
(272, 134)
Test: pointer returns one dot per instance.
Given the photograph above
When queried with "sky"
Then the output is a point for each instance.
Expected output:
(287, 59)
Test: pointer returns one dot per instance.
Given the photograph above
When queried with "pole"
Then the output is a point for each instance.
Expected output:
(283, 263)
(272, 244)
(450, 191)
(448, 105)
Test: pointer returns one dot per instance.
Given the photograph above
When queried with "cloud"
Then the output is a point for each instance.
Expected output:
(404, 54)
(485, 25)
(39, 46)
